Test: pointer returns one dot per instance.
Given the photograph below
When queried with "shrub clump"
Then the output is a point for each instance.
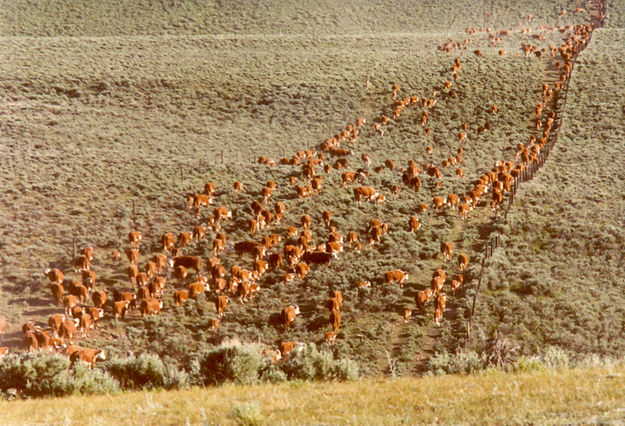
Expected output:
(44, 375)
(230, 363)
(313, 364)
(146, 371)
(460, 363)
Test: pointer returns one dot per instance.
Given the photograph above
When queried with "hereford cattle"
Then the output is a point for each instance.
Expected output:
(439, 273)
(422, 297)
(463, 261)
(132, 271)
(365, 192)
(57, 292)
(327, 217)
(88, 252)
(150, 307)
(168, 240)
(30, 341)
(55, 321)
(4, 351)
(67, 331)
(221, 302)
(77, 289)
(116, 257)
(221, 213)
(330, 337)
(215, 323)
(184, 238)
(69, 301)
(81, 263)
(197, 288)
(87, 355)
(134, 237)
(437, 284)
(77, 311)
(45, 341)
(120, 308)
(188, 262)
(85, 322)
(99, 298)
(251, 247)
(318, 257)
(88, 279)
(143, 292)
(396, 275)
(446, 250)
(125, 296)
(464, 210)
(180, 296)
(275, 260)
(301, 270)
(407, 315)
(132, 254)
(440, 308)
(335, 320)
(438, 203)
(142, 279)
(96, 314)
(413, 224)
(452, 201)
(54, 275)
(287, 348)
(288, 315)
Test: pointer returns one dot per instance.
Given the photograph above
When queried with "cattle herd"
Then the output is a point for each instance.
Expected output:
(172, 273)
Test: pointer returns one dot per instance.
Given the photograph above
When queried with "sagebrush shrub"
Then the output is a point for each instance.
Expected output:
(230, 363)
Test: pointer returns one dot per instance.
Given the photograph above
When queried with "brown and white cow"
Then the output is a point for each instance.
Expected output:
(197, 288)
(134, 237)
(67, 330)
(188, 262)
(99, 298)
(168, 240)
(422, 297)
(87, 355)
(463, 261)
(365, 192)
(396, 275)
(120, 308)
(335, 320)
(446, 250)
(288, 315)
(150, 307)
(413, 224)
(132, 254)
(221, 302)
(55, 321)
(54, 275)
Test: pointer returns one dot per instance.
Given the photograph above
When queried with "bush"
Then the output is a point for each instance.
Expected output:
(144, 372)
(460, 363)
(43, 374)
(230, 363)
(90, 382)
(312, 364)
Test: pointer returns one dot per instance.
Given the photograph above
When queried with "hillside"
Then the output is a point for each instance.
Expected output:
(110, 109)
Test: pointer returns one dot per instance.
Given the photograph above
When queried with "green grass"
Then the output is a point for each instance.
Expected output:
(98, 113)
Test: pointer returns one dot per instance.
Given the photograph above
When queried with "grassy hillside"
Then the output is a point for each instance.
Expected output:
(566, 396)
(560, 273)
(108, 112)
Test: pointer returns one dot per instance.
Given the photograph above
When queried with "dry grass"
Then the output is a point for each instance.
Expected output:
(567, 396)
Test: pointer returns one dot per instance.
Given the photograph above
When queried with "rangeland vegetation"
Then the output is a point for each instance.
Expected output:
(108, 125)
